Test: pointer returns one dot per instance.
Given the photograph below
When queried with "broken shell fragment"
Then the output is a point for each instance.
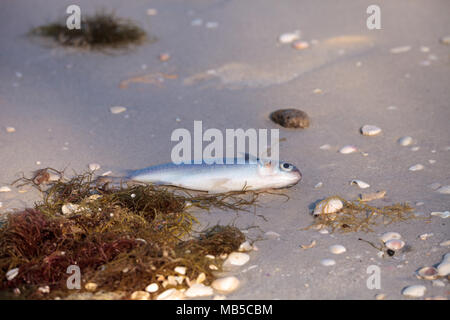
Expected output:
(370, 130)
(5, 189)
(416, 167)
(443, 215)
(140, 295)
(328, 262)
(236, 259)
(170, 294)
(361, 184)
(443, 268)
(94, 166)
(372, 196)
(11, 274)
(300, 45)
(117, 109)
(289, 37)
(330, 205)
(415, 291)
(337, 249)
(245, 246)
(198, 290)
(348, 149)
(395, 244)
(427, 273)
(225, 285)
(180, 270)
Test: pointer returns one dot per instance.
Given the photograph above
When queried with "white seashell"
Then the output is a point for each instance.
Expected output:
(415, 291)
(117, 109)
(225, 285)
(94, 166)
(401, 49)
(180, 270)
(443, 215)
(416, 167)
(395, 244)
(140, 295)
(444, 190)
(91, 286)
(199, 290)
(318, 185)
(70, 208)
(210, 256)
(348, 149)
(443, 268)
(10, 129)
(236, 259)
(153, 287)
(325, 147)
(328, 262)
(171, 294)
(385, 237)
(370, 130)
(361, 184)
(324, 231)
(5, 189)
(289, 37)
(201, 277)
(445, 243)
(44, 289)
(245, 246)
(405, 141)
(331, 205)
(337, 249)
(427, 273)
(425, 236)
(11, 274)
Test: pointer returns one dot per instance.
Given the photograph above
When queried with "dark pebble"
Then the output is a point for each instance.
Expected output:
(290, 118)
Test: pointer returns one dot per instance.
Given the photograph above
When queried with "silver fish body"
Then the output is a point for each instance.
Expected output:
(217, 177)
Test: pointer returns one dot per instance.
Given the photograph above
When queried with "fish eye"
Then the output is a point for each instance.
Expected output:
(286, 166)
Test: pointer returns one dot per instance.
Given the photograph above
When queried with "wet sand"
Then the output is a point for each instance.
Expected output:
(58, 101)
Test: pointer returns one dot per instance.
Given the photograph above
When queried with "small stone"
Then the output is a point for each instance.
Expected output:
(5, 189)
(445, 40)
(401, 49)
(117, 109)
(289, 37)
(415, 291)
(91, 286)
(10, 129)
(444, 190)
(290, 118)
(94, 166)
(328, 262)
(348, 149)
(300, 45)
(225, 285)
(140, 295)
(11, 274)
(236, 259)
(153, 287)
(163, 57)
(416, 167)
(180, 270)
(405, 141)
(337, 249)
(199, 290)
(443, 215)
(370, 130)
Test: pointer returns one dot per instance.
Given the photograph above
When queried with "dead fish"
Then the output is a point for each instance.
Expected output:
(218, 177)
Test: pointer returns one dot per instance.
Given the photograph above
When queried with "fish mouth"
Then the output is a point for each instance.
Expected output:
(298, 174)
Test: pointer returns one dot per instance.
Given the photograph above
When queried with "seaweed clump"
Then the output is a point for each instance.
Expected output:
(102, 30)
(357, 216)
(122, 239)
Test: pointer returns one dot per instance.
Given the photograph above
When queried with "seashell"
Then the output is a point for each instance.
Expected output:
(245, 246)
(70, 208)
(201, 277)
(318, 185)
(199, 290)
(10, 129)
(44, 289)
(328, 262)
(225, 285)
(401, 49)
(300, 45)
(91, 286)
(370, 130)
(443, 267)
(180, 270)
(289, 37)
(11, 274)
(380, 296)
(337, 249)
(213, 267)
(385, 237)
(415, 291)
(445, 243)
(416, 167)
(236, 259)
(327, 206)
(395, 244)
(5, 189)
(348, 149)
(427, 273)
(425, 236)
(117, 109)
(94, 166)
(153, 287)
(444, 190)
(372, 196)
(361, 184)
(438, 283)
(443, 215)
(405, 141)
(140, 295)
(308, 246)
(171, 294)
(210, 256)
